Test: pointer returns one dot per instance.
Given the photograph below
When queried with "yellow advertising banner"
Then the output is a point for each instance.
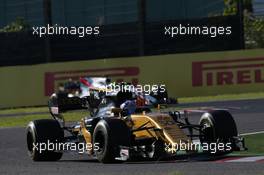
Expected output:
(184, 75)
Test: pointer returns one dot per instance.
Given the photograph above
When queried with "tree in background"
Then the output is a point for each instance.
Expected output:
(18, 25)
(253, 26)
(231, 6)
(254, 31)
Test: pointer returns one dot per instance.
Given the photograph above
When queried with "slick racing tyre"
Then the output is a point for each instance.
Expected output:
(43, 132)
(217, 127)
(110, 134)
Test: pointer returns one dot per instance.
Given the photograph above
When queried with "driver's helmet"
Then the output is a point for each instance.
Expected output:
(129, 106)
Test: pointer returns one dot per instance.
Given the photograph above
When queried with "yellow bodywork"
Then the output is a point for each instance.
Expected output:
(168, 131)
(162, 126)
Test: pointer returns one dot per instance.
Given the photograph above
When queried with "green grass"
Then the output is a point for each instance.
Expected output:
(24, 110)
(255, 145)
(75, 116)
(243, 96)
(19, 121)
(22, 121)
(255, 95)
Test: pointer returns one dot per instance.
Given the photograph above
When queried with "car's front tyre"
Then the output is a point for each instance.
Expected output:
(109, 135)
(43, 132)
(218, 127)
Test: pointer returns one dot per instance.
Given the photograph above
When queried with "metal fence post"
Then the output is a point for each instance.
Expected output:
(47, 20)
(141, 25)
(240, 13)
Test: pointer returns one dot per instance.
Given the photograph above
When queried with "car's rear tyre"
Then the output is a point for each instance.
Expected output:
(41, 132)
(109, 135)
(218, 127)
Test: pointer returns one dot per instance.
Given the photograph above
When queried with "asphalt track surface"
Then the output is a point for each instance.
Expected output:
(248, 114)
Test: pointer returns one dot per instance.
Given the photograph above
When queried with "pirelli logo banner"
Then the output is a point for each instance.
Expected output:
(184, 75)
(228, 72)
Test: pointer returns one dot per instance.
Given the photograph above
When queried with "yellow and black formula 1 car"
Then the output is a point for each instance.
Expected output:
(113, 134)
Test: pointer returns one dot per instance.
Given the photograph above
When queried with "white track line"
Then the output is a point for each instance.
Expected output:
(247, 159)
(252, 133)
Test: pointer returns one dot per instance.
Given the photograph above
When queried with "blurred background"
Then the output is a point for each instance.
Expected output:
(128, 28)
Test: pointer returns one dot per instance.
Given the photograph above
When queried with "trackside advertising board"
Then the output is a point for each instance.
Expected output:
(184, 75)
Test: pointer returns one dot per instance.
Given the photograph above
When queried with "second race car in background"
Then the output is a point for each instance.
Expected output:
(88, 91)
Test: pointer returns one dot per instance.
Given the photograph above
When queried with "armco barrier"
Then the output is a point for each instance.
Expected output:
(184, 75)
